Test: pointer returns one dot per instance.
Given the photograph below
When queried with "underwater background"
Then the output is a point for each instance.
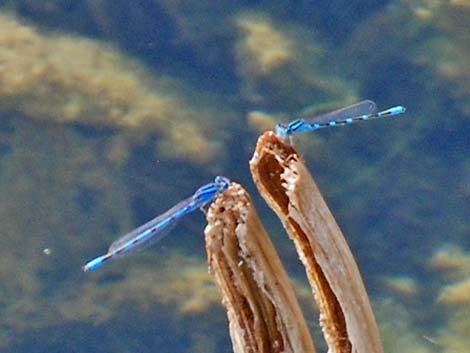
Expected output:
(113, 111)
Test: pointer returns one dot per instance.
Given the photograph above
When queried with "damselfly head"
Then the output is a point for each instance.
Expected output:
(280, 130)
(222, 182)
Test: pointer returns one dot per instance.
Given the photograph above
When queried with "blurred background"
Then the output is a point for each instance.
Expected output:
(111, 112)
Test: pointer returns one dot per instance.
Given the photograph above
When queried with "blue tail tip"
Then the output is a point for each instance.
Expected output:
(91, 265)
(399, 109)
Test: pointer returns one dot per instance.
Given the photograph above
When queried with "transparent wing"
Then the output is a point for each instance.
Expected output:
(119, 249)
(365, 107)
(152, 231)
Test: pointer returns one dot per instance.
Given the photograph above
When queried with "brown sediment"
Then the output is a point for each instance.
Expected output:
(263, 312)
(286, 185)
(453, 265)
(72, 80)
(270, 55)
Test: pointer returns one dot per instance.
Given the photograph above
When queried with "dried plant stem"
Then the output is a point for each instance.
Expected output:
(284, 182)
(263, 312)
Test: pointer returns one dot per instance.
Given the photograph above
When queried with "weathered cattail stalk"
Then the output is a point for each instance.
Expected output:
(263, 312)
(286, 185)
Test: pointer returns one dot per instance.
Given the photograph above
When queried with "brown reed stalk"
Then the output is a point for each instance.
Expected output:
(263, 312)
(284, 182)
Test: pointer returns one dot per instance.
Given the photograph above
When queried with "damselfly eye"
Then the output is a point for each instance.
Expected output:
(222, 182)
